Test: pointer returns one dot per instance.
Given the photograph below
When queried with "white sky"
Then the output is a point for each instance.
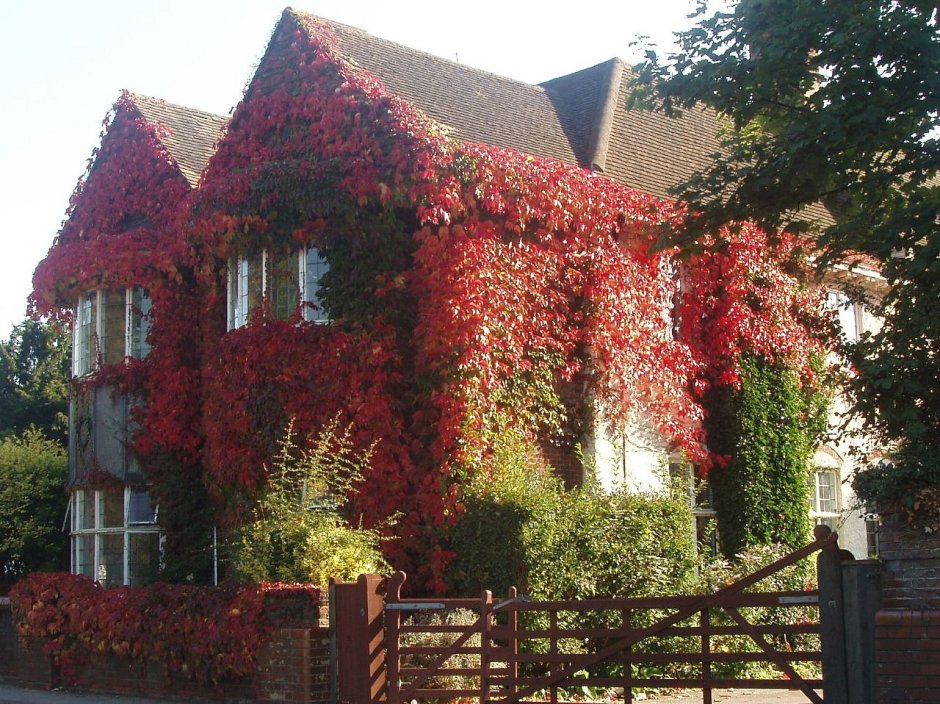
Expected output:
(64, 62)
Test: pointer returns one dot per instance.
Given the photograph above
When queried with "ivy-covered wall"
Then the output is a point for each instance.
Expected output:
(470, 288)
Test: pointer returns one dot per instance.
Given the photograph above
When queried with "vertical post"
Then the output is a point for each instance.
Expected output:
(831, 620)
(553, 652)
(627, 621)
(359, 634)
(486, 624)
(512, 622)
(861, 584)
(705, 623)
(392, 636)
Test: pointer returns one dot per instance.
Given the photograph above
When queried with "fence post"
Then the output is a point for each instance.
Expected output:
(359, 634)
(831, 620)
(486, 626)
(861, 584)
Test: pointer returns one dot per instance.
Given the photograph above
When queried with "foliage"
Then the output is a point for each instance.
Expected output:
(521, 528)
(298, 532)
(32, 504)
(470, 287)
(207, 634)
(767, 429)
(834, 104)
(34, 377)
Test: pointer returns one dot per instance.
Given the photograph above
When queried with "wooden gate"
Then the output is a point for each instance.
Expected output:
(512, 649)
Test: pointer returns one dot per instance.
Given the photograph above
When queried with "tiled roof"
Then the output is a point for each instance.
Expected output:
(581, 118)
(563, 118)
(189, 135)
(477, 106)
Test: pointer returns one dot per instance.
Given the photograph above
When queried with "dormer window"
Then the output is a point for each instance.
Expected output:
(287, 280)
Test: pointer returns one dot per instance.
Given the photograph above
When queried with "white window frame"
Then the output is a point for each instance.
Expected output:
(315, 313)
(145, 317)
(830, 514)
(848, 312)
(238, 281)
(97, 532)
(85, 347)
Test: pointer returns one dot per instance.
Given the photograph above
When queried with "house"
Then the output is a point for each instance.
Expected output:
(433, 254)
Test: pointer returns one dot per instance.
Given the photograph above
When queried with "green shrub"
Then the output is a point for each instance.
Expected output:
(298, 532)
(768, 428)
(520, 527)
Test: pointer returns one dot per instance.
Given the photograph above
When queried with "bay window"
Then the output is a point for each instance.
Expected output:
(110, 325)
(115, 537)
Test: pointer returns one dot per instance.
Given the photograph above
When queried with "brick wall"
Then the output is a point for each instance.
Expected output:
(293, 666)
(907, 644)
(907, 628)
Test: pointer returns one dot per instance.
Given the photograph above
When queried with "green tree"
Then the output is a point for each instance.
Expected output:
(834, 103)
(32, 504)
(34, 379)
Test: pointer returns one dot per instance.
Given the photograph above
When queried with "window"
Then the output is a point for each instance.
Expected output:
(111, 325)
(825, 508)
(872, 530)
(682, 474)
(85, 334)
(314, 266)
(138, 318)
(115, 536)
(286, 279)
(848, 312)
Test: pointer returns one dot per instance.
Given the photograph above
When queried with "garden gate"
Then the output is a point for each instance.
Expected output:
(517, 650)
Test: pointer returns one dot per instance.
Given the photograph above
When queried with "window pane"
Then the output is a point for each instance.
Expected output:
(110, 570)
(112, 334)
(111, 508)
(254, 279)
(315, 268)
(85, 555)
(143, 560)
(283, 285)
(138, 322)
(826, 495)
(139, 509)
(82, 349)
(85, 503)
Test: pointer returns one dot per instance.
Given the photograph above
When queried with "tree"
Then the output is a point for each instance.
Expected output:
(34, 379)
(32, 504)
(833, 103)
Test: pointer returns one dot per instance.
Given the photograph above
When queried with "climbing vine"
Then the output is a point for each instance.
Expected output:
(469, 287)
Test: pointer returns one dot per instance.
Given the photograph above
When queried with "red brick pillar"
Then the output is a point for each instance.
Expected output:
(907, 628)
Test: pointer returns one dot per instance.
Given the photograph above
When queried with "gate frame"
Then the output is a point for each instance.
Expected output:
(364, 620)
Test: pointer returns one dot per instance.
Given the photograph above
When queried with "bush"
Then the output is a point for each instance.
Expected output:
(520, 527)
(32, 504)
(298, 531)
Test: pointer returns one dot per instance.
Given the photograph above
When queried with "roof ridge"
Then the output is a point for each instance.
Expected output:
(134, 97)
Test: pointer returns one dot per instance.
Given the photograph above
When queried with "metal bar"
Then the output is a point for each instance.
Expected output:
(413, 606)
(784, 600)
